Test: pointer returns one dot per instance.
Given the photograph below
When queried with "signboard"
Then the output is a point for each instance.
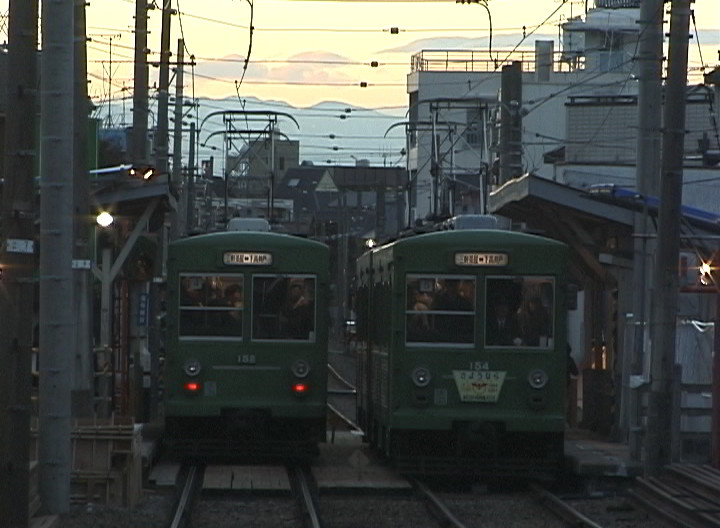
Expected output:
(238, 258)
(479, 385)
(481, 259)
(18, 245)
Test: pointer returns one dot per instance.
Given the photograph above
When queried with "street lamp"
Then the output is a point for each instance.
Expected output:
(104, 219)
(483, 3)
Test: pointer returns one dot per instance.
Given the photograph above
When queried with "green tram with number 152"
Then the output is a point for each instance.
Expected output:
(246, 344)
(462, 356)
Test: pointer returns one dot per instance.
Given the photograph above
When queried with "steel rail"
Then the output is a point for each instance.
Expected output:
(307, 502)
(562, 509)
(442, 513)
(184, 504)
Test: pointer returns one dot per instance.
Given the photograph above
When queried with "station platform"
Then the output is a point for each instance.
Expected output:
(348, 463)
(588, 456)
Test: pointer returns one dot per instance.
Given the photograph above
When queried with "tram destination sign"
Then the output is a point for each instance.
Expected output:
(481, 259)
(241, 258)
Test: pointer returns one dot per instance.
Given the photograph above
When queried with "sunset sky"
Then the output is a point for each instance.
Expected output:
(305, 52)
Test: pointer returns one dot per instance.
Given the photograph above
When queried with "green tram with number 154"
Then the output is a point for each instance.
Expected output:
(246, 344)
(462, 356)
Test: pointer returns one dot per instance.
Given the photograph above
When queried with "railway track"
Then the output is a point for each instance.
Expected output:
(437, 507)
(190, 484)
(302, 493)
(683, 495)
(563, 509)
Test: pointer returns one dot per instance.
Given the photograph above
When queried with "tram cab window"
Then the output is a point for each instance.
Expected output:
(519, 311)
(283, 307)
(211, 306)
(440, 309)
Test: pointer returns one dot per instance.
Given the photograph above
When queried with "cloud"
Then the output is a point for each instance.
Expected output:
(311, 66)
(504, 41)
(707, 37)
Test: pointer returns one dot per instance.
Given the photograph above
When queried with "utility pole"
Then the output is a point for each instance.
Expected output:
(17, 256)
(665, 295)
(177, 227)
(647, 178)
(161, 137)
(190, 194)
(57, 333)
(140, 83)
(161, 166)
(83, 384)
(510, 122)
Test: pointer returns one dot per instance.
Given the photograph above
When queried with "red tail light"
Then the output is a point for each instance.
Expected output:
(300, 388)
(192, 386)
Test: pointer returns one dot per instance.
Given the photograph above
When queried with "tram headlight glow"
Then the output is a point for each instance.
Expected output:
(421, 377)
(538, 378)
(192, 367)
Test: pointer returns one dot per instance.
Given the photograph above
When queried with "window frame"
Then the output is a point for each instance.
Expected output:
(312, 335)
(472, 314)
(536, 280)
(206, 309)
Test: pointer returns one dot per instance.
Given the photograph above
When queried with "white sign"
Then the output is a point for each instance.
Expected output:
(479, 386)
(16, 245)
(237, 258)
(481, 259)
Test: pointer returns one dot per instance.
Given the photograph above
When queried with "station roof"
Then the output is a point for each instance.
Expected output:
(597, 222)
(128, 194)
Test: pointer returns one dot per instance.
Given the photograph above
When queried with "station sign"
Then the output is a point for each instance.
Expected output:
(481, 259)
(241, 258)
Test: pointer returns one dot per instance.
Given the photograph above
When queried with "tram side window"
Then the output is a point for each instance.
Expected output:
(284, 307)
(211, 305)
(440, 309)
(519, 311)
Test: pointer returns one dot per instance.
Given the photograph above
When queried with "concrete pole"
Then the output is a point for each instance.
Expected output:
(715, 416)
(647, 177)
(435, 169)
(140, 86)
(161, 137)
(510, 122)
(665, 295)
(105, 359)
(18, 263)
(271, 195)
(178, 221)
(190, 194)
(83, 379)
(57, 333)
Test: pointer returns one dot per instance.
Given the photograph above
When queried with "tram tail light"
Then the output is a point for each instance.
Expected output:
(300, 388)
(193, 387)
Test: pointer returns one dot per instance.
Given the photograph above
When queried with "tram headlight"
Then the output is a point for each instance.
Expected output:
(538, 378)
(421, 377)
(301, 368)
(192, 367)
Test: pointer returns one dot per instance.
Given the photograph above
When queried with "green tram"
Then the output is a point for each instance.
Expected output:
(445, 386)
(246, 344)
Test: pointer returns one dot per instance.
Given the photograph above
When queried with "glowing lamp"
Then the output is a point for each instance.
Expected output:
(192, 386)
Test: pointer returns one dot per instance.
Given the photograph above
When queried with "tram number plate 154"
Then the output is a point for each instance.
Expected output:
(479, 386)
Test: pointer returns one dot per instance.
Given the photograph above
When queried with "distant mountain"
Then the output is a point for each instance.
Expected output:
(328, 131)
